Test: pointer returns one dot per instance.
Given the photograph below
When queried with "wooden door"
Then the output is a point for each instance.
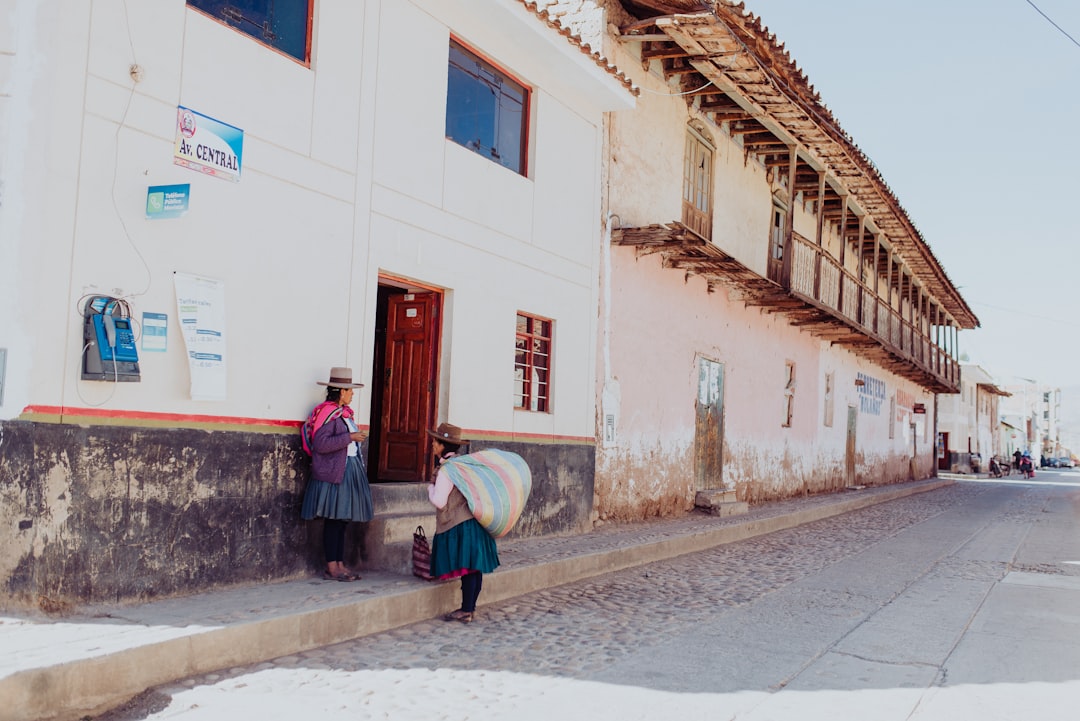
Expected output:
(709, 426)
(408, 385)
(943, 452)
(849, 456)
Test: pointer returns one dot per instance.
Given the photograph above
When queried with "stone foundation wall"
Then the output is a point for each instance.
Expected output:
(117, 514)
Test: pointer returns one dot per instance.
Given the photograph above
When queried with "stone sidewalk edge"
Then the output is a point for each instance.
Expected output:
(72, 690)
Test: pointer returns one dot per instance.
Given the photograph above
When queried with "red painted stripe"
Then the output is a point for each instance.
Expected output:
(148, 416)
(132, 415)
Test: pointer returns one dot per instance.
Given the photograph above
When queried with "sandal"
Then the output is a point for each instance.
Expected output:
(459, 615)
(348, 577)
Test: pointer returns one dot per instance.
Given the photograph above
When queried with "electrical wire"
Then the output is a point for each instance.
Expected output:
(116, 159)
(1049, 20)
(675, 95)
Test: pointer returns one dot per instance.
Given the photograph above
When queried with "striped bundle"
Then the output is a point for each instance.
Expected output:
(496, 485)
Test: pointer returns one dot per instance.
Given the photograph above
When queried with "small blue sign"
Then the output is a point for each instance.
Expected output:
(167, 201)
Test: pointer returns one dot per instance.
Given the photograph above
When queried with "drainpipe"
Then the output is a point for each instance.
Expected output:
(609, 395)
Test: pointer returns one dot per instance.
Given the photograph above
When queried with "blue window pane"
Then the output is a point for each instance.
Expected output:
(282, 24)
(485, 109)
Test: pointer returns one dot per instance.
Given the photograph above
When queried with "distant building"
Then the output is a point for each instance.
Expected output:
(968, 423)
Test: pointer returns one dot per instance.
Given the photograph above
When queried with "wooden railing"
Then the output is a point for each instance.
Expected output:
(818, 277)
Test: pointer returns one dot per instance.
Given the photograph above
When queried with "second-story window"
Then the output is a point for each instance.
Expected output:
(697, 184)
(282, 24)
(486, 109)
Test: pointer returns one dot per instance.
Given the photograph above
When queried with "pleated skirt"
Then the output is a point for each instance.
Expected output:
(465, 547)
(349, 500)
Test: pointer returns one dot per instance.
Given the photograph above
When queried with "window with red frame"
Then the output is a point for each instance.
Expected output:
(532, 364)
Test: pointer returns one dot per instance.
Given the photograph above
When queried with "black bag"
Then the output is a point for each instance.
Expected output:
(421, 555)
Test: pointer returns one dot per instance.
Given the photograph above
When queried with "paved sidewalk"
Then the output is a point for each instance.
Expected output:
(67, 667)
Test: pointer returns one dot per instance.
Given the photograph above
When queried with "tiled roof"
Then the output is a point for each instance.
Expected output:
(556, 24)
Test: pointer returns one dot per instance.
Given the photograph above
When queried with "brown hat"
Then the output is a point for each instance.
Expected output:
(448, 433)
(340, 378)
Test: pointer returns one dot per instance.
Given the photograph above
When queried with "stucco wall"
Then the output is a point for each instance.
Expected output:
(661, 321)
(346, 174)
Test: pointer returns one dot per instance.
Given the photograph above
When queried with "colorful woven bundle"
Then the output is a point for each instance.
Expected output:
(496, 485)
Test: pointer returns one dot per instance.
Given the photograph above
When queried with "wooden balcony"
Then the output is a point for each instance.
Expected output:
(818, 295)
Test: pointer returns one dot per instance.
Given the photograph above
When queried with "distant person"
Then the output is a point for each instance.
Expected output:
(338, 491)
(461, 547)
(1017, 455)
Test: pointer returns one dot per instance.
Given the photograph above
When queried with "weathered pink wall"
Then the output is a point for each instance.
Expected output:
(660, 322)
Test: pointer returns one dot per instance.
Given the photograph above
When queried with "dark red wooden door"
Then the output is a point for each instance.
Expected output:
(408, 386)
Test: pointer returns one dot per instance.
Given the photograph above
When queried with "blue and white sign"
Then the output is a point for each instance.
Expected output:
(207, 145)
(167, 201)
(155, 332)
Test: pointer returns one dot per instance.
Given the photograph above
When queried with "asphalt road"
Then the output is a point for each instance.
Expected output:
(960, 603)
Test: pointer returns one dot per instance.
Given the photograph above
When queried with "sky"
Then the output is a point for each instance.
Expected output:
(969, 109)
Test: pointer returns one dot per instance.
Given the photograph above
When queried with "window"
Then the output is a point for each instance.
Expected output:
(697, 184)
(532, 364)
(789, 393)
(281, 24)
(486, 109)
(829, 380)
(779, 221)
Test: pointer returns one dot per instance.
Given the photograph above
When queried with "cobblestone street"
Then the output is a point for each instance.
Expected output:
(699, 623)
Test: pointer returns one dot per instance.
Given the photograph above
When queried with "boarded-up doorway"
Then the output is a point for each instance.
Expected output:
(849, 453)
(709, 426)
(405, 376)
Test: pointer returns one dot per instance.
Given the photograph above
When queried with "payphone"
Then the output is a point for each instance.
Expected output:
(109, 352)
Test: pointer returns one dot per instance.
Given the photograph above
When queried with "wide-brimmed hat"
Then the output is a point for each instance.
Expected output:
(448, 433)
(340, 378)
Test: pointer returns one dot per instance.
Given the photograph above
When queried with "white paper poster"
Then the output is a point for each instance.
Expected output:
(200, 308)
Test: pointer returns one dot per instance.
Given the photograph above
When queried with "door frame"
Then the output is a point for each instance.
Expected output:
(709, 425)
(389, 285)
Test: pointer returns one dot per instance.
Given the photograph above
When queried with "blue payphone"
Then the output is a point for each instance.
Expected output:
(109, 352)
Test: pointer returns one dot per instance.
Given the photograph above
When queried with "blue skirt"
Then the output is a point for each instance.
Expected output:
(349, 500)
(465, 547)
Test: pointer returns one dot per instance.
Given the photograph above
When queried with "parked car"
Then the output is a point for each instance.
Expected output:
(1065, 462)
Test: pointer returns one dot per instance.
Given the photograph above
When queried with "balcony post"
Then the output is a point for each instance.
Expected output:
(789, 222)
(877, 284)
(820, 234)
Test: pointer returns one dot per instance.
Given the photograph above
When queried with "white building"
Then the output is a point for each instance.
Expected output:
(411, 188)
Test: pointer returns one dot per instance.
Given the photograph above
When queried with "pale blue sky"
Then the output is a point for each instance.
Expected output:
(969, 109)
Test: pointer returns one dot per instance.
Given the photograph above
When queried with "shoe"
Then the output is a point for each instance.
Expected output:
(459, 615)
(349, 577)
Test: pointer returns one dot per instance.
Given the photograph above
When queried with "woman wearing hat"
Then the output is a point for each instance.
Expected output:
(461, 547)
(338, 490)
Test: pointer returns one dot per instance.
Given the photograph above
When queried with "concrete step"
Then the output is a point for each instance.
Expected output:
(388, 537)
(399, 527)
(720, 502)
(399, 497)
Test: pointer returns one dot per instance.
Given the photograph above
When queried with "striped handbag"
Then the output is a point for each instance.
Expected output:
(421, 554)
